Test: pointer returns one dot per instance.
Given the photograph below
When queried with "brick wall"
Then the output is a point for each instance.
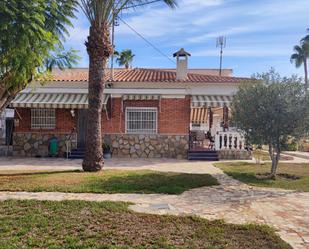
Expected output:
(173, 115)
(171, 140)
(64, 121)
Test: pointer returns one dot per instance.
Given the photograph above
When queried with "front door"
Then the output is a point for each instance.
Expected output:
(9, 126)
(81, 128)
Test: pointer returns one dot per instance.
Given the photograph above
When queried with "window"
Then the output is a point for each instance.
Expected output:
(141, 120)
(43, 119)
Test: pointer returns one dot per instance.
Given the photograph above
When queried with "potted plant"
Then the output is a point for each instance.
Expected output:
(106, 151)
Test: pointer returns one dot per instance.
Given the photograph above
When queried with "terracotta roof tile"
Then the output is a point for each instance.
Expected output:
(144, 75)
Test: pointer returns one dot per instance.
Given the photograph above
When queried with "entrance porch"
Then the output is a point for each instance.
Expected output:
(211, 136)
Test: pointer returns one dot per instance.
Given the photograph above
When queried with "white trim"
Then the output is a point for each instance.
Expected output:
(54, 90)
(115, 92)
(170, 91)
(173, 96)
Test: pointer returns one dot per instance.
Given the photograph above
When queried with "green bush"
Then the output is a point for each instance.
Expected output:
(291, 146)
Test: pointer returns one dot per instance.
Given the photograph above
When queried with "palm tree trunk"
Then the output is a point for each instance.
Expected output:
(306, 75)
(99, 49)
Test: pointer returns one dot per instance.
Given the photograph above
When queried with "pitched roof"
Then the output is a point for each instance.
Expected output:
(143, 75)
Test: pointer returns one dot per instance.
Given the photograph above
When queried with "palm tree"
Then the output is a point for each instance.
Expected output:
(101, 15)
(300, 57)
(61, 59)
(125, 58)
(306, 38)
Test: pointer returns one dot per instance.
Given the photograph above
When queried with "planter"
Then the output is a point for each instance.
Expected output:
(107, 155)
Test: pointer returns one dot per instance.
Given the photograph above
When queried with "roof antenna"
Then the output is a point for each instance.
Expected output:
(221, 43)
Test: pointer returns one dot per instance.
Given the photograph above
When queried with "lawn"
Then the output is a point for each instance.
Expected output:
(109, 225)
(108, 181)
(264, 156)
(290, 175)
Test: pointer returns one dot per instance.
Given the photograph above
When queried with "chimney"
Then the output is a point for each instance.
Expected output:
(182, 64)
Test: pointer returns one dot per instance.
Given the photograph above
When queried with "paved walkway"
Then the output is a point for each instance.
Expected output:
(297, 154)
(235, 202)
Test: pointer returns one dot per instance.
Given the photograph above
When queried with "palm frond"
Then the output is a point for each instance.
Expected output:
(104, 11)
(62, 59)
(297, 60)
(125, 58)
(298, 49)
(305, 39)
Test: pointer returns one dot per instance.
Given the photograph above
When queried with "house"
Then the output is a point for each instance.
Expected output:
(146, 113)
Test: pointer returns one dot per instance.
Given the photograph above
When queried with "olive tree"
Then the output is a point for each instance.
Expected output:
(269, 110)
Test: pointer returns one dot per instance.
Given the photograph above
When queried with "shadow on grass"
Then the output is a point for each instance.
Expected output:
(42, 173)
(250, 178)
(166, 183)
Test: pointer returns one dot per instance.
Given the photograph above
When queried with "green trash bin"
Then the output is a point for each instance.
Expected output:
(53, 146)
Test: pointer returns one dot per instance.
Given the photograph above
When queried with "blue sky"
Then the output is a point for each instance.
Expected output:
(260, 34)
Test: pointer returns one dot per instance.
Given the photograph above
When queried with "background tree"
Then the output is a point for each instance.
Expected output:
(61, 59)
(101, 14)
(271, 111)
(31, 40)
(299, 58)
(125, 58)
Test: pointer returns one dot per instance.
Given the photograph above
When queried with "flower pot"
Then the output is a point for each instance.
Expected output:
(107, 155)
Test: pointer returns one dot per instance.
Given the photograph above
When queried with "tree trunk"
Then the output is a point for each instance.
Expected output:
(99, 49)
(275, 157)
(306, 75)
(5, 101)
(7, 96)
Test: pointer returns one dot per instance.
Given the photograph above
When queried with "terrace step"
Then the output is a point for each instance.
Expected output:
(78, 153)
(203, 155)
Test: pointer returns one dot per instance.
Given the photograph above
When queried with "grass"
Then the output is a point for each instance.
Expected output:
(109, 181)
(264, 156)
(291, 175)
(109, 225)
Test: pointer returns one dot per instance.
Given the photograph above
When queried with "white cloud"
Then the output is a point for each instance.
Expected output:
(226, 32)
(158, 22)
(244, 52)
(78, 35)
(256, 31)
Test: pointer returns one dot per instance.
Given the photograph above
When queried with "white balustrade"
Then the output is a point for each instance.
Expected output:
(229, 140)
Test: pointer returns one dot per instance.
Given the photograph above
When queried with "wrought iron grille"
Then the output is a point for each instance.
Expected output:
(43, 118)
(141, 120)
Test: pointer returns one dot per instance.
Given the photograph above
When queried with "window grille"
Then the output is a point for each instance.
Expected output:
(141, 120)
(43, 118)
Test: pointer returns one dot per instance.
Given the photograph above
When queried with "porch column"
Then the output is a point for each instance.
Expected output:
(211, 117)
(225, 117)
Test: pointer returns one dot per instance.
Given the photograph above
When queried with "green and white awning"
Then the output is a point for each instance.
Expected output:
(53, 100)
(140, 97)
(211, 100)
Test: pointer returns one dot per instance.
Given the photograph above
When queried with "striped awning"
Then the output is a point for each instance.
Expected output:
(140, 97)
(53, 100)
(199, 115)
(211, 100)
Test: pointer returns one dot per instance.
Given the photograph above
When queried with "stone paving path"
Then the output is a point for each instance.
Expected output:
(235, 202)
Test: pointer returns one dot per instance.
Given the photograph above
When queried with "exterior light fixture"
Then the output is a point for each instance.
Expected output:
(72, 113)
(16, 122)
